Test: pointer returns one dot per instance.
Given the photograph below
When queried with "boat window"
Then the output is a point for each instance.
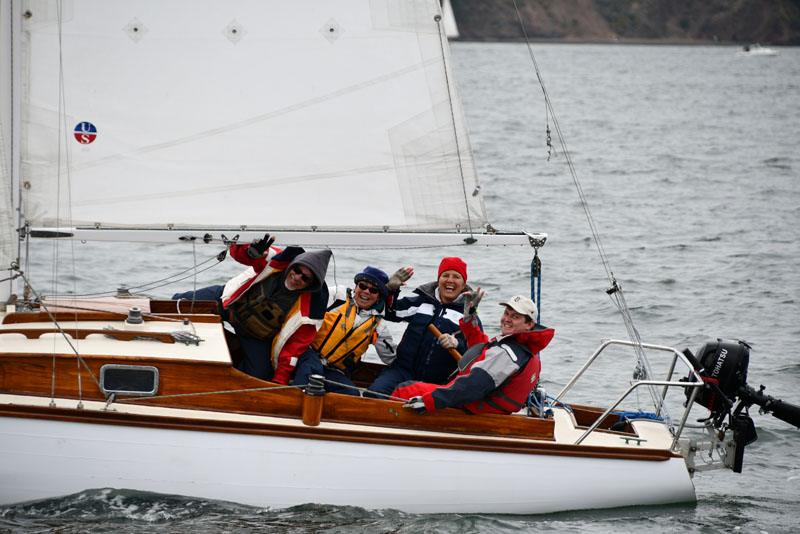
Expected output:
(129, 379)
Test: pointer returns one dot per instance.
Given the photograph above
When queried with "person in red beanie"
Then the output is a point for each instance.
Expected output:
(420, 355)
(452, 279)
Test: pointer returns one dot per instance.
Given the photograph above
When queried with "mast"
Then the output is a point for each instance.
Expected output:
(9, 146)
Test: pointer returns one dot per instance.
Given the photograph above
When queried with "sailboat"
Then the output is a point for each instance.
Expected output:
(208, 123)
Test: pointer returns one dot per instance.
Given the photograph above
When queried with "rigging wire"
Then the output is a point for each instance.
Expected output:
(615, 291)
(269, 389)
(152, 285)
(157, 284)
(194, 277)
(63, 151)
(442, 40)
(6, 234)
(66, 338)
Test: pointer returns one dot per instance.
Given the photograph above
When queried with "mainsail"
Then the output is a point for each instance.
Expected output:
(303, 115)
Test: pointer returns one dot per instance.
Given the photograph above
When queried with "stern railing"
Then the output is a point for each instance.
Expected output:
(696, 384)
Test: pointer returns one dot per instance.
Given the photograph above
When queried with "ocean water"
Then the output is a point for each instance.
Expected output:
(688, 159)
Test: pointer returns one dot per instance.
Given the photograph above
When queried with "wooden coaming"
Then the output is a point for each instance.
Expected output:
(43, 317)
(81, 333)
(585, 416)
(236, 392)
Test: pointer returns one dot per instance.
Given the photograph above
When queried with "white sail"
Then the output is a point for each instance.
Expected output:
(306, 115)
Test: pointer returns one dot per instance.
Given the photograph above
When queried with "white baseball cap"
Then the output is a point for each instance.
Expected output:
(522, 305)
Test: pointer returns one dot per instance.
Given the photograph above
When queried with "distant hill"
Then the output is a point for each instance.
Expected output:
(773, 22)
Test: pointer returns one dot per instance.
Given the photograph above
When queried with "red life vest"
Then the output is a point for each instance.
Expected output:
(512, 395)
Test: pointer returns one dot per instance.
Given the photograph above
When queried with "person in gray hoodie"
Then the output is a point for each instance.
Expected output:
(275, 306)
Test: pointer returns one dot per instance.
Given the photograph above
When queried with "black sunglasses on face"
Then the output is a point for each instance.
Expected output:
(364, 287)
(303, 276)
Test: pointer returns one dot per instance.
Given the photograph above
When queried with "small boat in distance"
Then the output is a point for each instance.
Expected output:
(756, 50)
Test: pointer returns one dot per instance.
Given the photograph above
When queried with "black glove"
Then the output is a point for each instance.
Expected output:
(416, 404)
(259, 246)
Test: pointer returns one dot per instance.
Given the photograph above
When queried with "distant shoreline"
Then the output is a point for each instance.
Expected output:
(653, 42)
(654, 22)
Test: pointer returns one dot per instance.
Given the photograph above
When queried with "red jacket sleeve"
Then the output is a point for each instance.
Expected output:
(472, 333)
(294, 347)
(239, 253)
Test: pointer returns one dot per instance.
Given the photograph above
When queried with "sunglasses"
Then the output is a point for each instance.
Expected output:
(366, 287)
(303, 276)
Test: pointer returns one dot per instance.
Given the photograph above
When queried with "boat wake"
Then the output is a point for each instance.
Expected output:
(124, 510)
(113, 505)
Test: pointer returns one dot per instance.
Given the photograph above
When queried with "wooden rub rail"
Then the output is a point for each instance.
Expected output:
(364, 435)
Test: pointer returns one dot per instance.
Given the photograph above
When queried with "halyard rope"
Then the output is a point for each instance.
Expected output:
(442, 40)
(615, 291)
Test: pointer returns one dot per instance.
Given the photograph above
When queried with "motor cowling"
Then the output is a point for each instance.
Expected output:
(723, 366)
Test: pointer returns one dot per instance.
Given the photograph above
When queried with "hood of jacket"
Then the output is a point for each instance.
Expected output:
(535, 340)
(317, 263)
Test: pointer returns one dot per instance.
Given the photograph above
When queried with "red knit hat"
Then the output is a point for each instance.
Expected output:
(453, 264)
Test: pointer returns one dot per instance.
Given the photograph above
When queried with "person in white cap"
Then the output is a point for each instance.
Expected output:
(494, 376)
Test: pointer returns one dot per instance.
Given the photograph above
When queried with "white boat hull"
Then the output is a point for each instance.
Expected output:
(42, 459)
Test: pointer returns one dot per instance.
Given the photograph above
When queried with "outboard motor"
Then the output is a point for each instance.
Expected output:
(723, 367)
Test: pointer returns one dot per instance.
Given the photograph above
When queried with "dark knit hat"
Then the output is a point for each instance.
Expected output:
(453, 264)
(376, 277)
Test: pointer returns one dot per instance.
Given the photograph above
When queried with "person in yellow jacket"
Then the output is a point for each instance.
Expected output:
(353, 322)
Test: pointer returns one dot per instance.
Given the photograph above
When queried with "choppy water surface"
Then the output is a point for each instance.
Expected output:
(688, 158)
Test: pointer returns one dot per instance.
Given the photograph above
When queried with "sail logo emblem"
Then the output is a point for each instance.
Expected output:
(85, 132)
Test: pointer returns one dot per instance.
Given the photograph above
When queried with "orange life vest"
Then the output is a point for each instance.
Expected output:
(342, 343)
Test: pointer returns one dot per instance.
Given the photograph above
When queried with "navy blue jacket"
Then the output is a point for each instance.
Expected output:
(419, 352)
